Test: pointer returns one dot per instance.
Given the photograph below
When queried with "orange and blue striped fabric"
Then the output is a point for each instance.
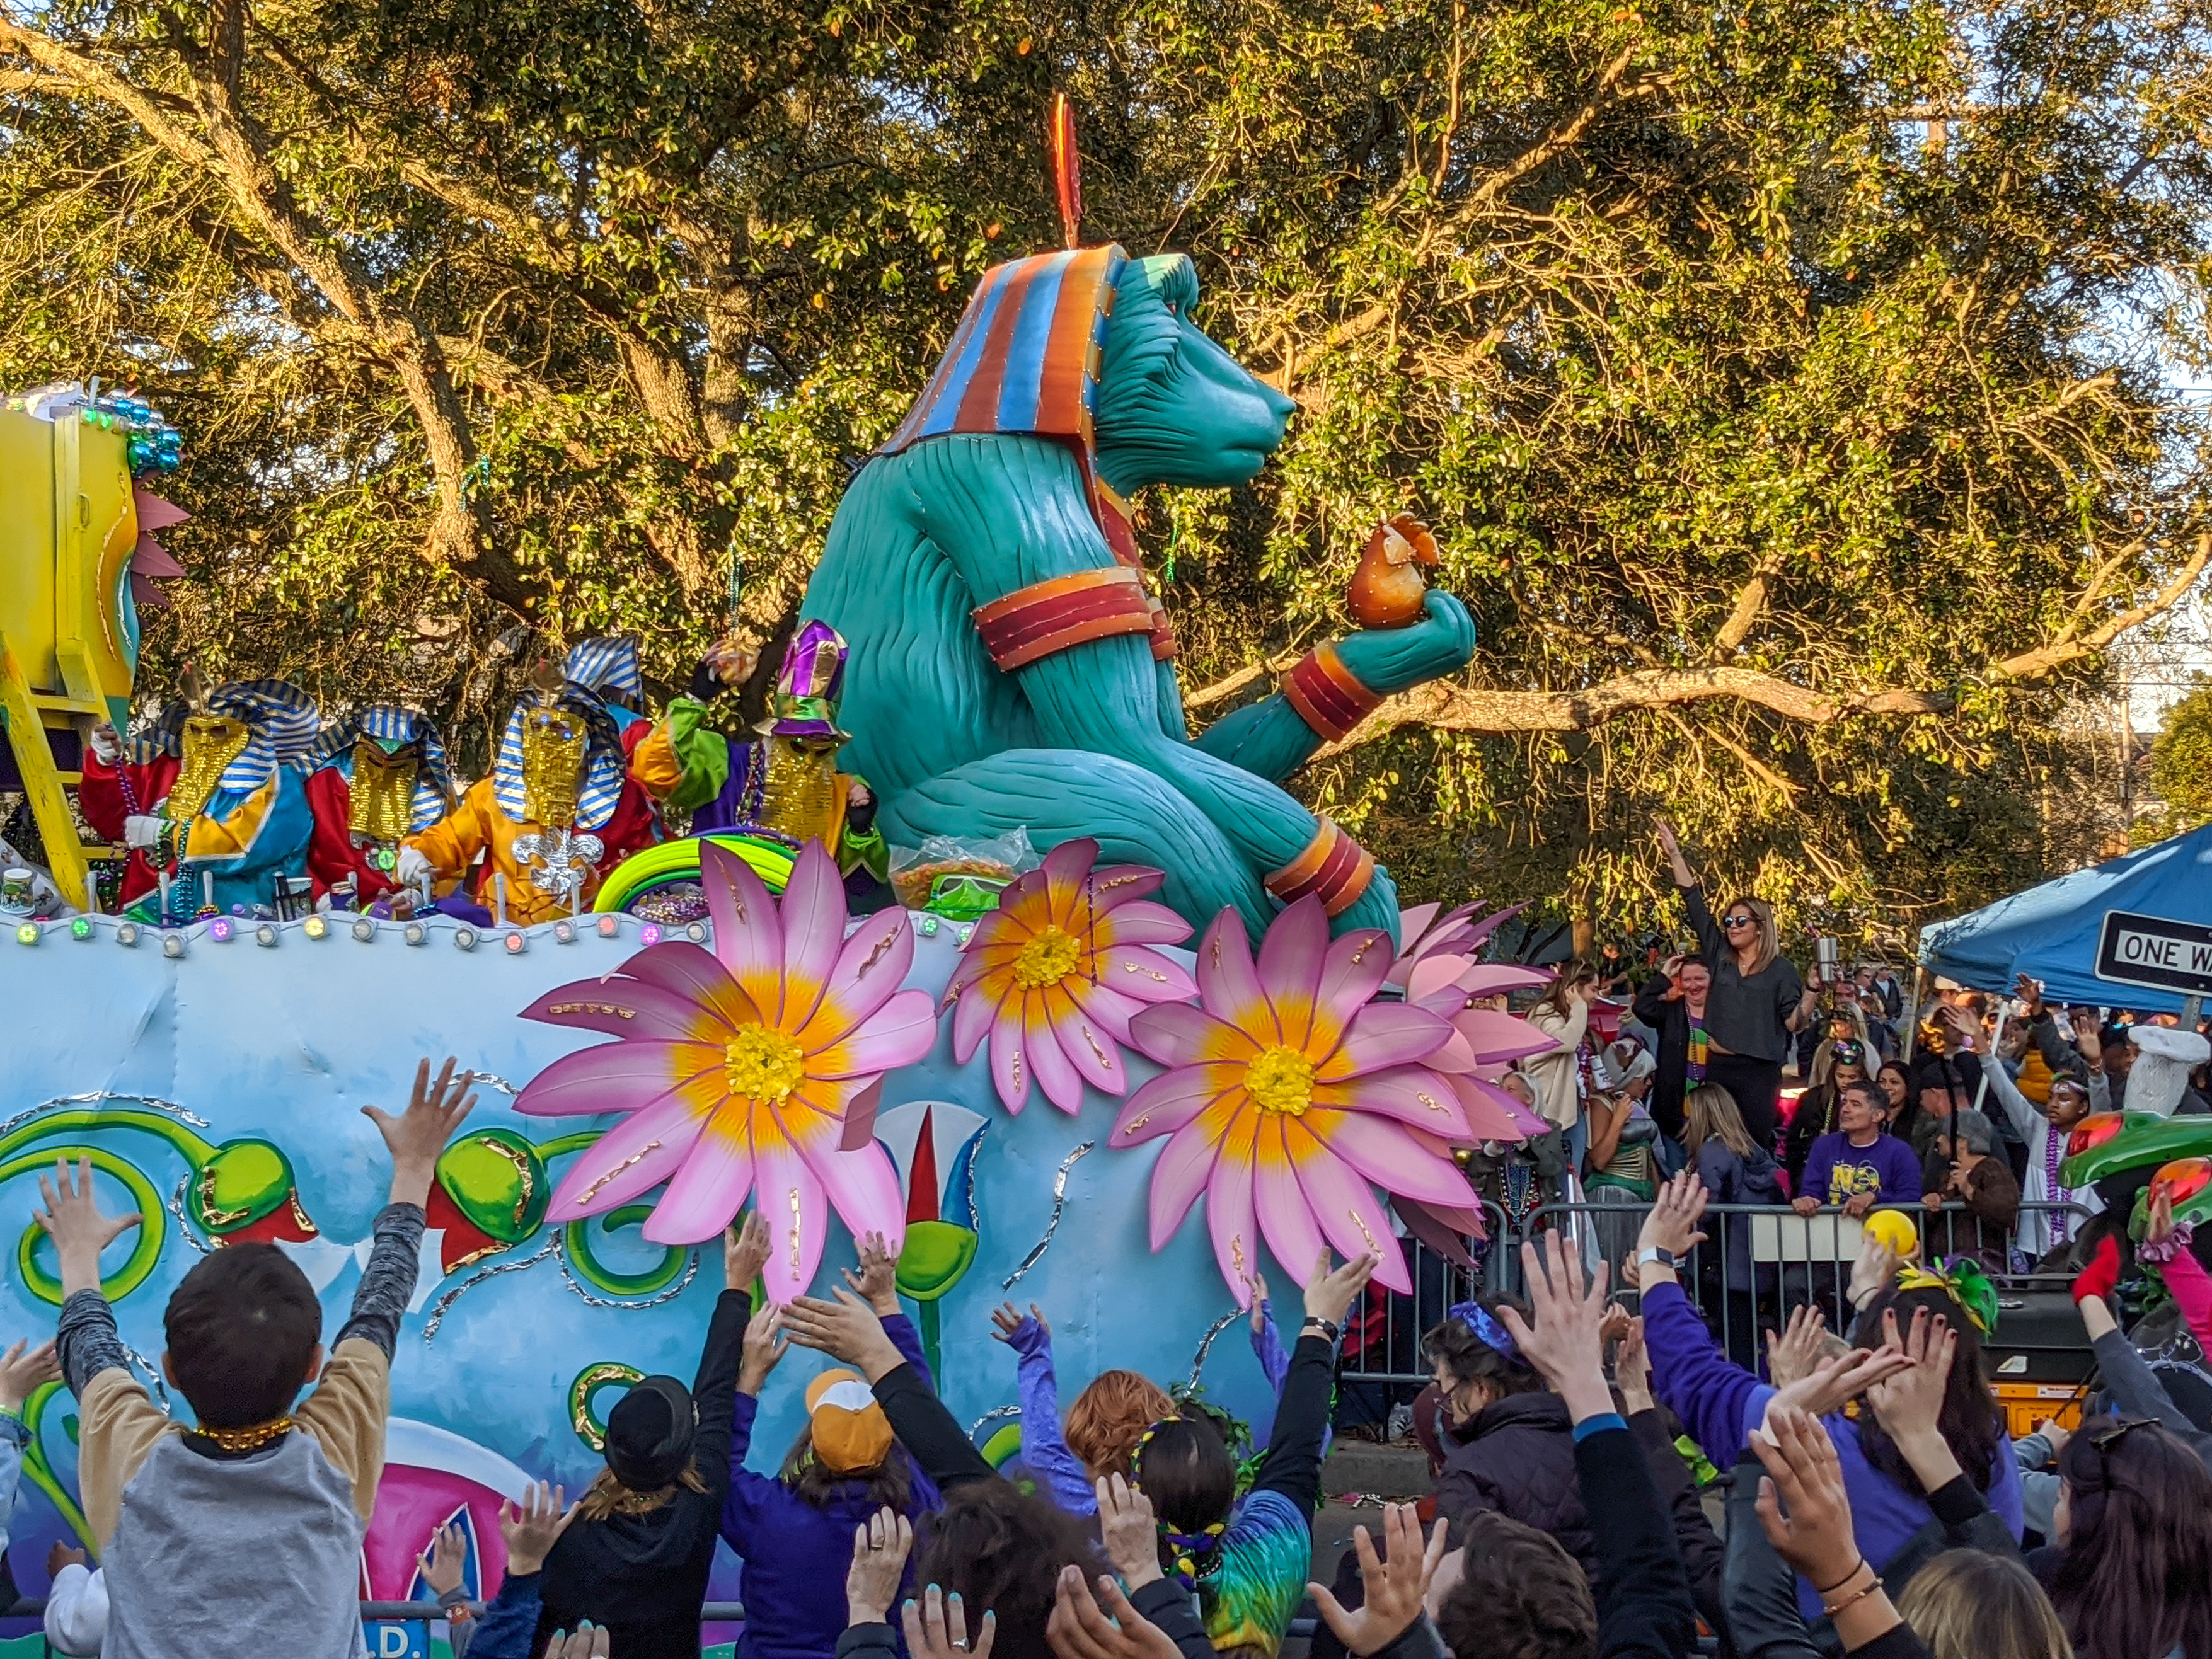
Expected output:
(1025, 355)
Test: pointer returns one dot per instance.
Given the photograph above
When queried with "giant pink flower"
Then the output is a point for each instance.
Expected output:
(1053, 975)
(1287, 1092)
(737, 1067)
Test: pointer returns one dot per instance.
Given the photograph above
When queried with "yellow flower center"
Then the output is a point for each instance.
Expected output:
(1047, 959)
(763, 1064)
(1280, 1080)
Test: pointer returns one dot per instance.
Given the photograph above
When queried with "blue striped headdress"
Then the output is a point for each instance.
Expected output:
(284, 723)
(391, 723)
(606, 666)
(605, 765)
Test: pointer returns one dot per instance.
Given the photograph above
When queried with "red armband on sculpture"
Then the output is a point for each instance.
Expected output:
(1050, 616)
(1333, 867)
(1327, 695)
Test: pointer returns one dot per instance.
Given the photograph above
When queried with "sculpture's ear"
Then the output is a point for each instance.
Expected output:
(1175, 279)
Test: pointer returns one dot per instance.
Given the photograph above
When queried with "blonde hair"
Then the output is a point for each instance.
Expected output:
(1107, 1419)
(1770, 934)
(607, 1497)
(1711, 1110)
(1967, 1604)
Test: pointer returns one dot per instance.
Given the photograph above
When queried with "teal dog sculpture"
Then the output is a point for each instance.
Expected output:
(1007, 668)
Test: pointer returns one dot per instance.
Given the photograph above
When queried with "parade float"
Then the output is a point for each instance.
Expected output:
(971, 944)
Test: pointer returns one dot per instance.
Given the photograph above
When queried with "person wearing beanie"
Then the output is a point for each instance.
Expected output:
(1984, 1183)
(796, 1530)
(635, 1561)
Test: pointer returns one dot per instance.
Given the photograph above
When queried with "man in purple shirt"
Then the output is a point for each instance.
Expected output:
(1860, 1164)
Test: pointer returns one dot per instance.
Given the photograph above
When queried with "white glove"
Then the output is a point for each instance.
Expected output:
(106, 745)
(413, 869)
(143, 831)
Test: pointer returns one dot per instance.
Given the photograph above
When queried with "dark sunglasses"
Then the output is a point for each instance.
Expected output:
(1737, 921)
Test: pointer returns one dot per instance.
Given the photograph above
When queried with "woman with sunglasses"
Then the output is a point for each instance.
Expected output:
(1758, 1003)
(2130, 1572)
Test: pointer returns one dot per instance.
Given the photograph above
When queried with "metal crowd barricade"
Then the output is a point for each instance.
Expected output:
(1758, 1263)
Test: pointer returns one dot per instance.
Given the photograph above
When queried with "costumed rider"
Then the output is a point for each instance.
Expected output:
(785, 785)
(216, 787)
(380, 776)
(568, 798)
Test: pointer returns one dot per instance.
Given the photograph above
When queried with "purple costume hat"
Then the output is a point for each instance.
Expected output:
(809, 685)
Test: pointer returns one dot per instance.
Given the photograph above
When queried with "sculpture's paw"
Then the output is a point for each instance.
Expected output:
(1391, 659)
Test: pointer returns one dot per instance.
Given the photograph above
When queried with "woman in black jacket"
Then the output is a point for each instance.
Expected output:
(1759, 1003)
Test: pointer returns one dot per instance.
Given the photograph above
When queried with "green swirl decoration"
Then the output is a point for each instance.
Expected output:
(576, 1237)
(153, 1223)
(42, 1471)
(591, 1428)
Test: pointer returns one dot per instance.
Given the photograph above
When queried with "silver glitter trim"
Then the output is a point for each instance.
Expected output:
(1205, 1346)
(93, 1098)
(594, 1300)
(992, 1416)
(1058, 1203)
(438, 1309)
(183, 1221)
(153, 1375)
(494, 1080)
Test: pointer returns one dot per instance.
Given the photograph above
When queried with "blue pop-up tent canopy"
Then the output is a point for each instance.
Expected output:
(2050, 932)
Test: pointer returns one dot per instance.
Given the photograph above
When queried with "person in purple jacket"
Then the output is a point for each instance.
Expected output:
(1859, 1165)
(1723, 1405)
(794, 1529)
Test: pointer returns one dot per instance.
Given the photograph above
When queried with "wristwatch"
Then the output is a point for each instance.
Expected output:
(1652, 1255)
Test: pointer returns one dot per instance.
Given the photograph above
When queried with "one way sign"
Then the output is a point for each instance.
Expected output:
(2172, 955)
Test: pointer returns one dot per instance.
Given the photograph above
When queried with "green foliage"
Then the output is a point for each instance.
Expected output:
(1815, 341)
(2181, 760)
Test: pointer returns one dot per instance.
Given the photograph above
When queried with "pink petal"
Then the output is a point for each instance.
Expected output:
(1350, 978)
(1441, 1229)
(1228, 986)
(689, 970)
(1140, 923)
(1414, 922)
(1434, 973)
(1292, 957)
(1091, 1050)
(1117, 885)
(814, 920)
(1454, 1057)
(1010, 1069)
(1062, 1082)
(1135, 971)
(971, 1021)
(1230, 1221)
(797, 1211)
(1348, 1212)
(1279, 1203)
(1496, 1036)
(1389, 1155)
(871, 967)
(1179, 1174)
(897, 1034)
(603, 1177)
(613, 1077)
(1498, 1111)
(1413, 1094)
(706, 1191)
(1176, 1034)
(1068, 863)
(859, 1129)
(1112, 1010)
(1384, 1034)
(626, 1007)
(1490, 924)
(1488, 979)
(1171, 1100)
(863, 1188)
(748, 933)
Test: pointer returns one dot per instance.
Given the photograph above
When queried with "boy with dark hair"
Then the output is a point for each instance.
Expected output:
(198, 1528)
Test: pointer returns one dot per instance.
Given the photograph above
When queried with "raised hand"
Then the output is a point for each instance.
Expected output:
(765, 1345)
(880, 1546)
(745, 1246)
(877, 1283)
(1803, 1508)
(23, 1370)
(1631, 1368)
(1672, 847)
(72, 1219)
(1835, 1381)
(1128, 1529)
(1567, 1342)
(938, 1628)
(1908, 1402)
(533, 1527)
(1256, 1284)
(1395, 1585)
(1080, 1628)
(1330, 1295)
(1006, 1324)
(1874, 1272)
(1671, 1223)
(417, 1136)
(847, 1328)
(442, 1568)
(1796, 1353)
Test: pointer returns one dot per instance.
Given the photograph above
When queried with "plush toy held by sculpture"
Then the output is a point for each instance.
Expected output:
(1010, 667)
